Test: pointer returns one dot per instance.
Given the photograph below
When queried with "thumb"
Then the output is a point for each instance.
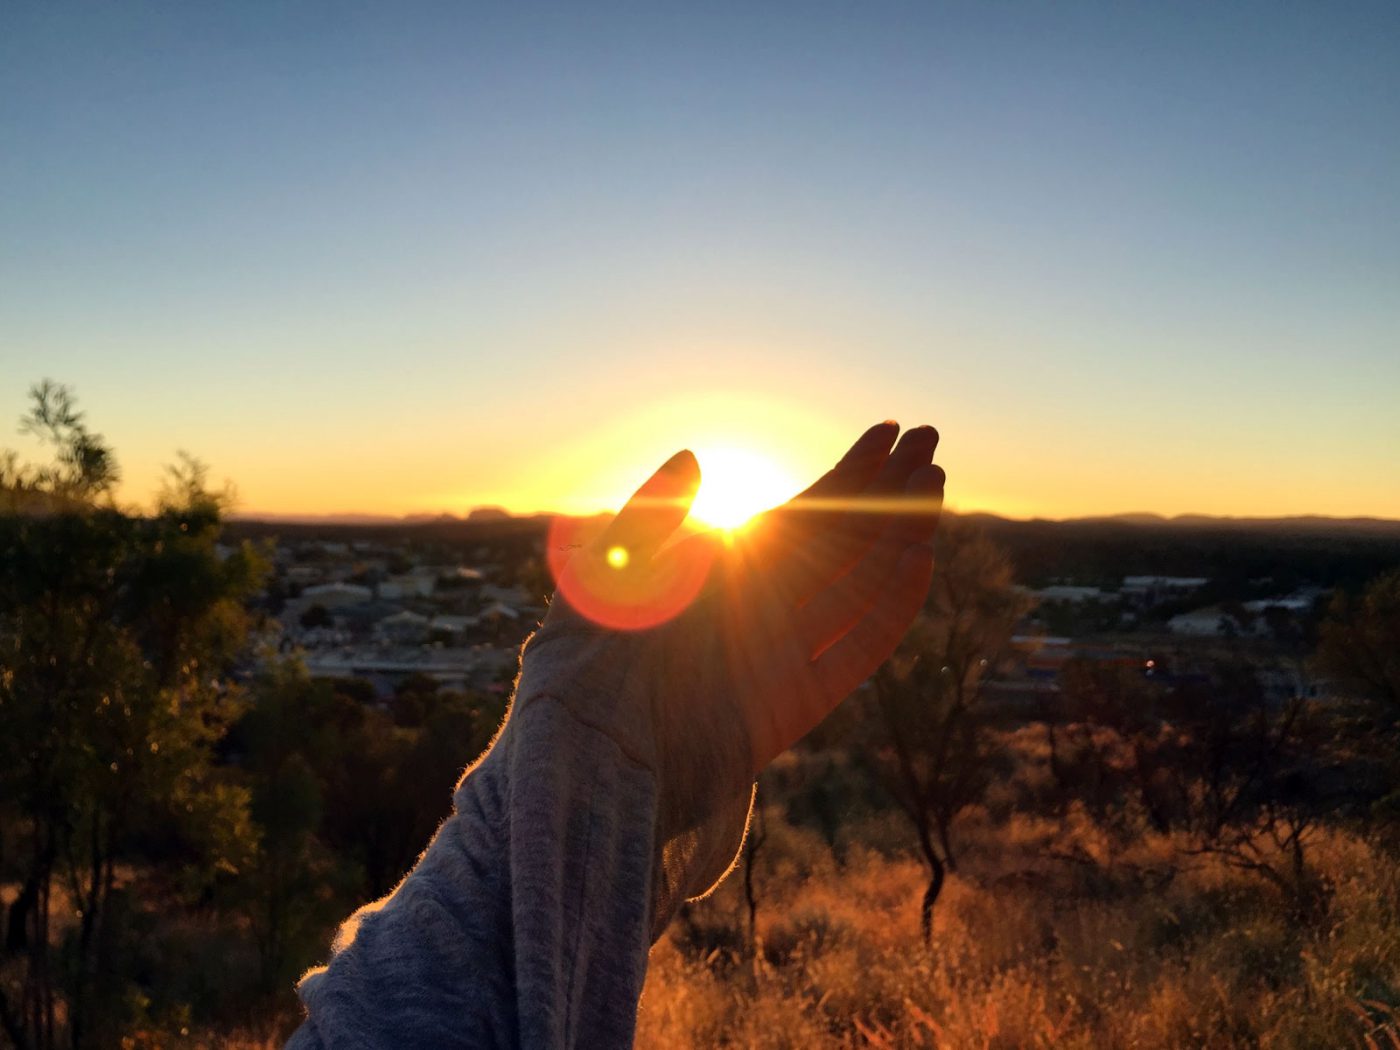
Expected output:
(657, 508)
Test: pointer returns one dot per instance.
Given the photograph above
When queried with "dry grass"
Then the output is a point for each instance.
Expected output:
(1030, 952)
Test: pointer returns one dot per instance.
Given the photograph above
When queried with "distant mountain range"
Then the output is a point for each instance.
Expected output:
(478, 514)
(1310, 523)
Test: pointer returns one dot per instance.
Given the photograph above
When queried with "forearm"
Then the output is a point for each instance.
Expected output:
(528, 919)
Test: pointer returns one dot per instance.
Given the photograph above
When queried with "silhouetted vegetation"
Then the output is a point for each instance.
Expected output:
(173, 801)
(933, 753)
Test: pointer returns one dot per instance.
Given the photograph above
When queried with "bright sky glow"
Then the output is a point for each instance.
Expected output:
(736, 484)
(417, 257)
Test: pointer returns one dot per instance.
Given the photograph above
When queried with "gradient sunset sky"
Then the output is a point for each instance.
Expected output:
(412, 257)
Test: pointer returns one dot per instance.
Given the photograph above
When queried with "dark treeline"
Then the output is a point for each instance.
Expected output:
(1235, 555)
(1238, 557)
(184, 812)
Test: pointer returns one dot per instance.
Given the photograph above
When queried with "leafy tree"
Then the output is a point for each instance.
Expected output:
(82, 468)
(119, 634)
(293, 730)
(1359, 649)
(1359, 645)
(414, 697)
(392, 784)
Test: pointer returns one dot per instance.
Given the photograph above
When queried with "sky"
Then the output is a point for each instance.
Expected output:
(418, 257)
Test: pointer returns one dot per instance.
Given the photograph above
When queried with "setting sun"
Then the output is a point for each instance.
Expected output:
(736, 484)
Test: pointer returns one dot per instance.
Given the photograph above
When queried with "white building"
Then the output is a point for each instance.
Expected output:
(516, 596)
(1207, 622)
(416, 584)
(1292, 602)
(1169, 584)
(1067, 593)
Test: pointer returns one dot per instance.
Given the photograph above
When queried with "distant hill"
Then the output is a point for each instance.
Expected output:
(1276, 554)
(348, 518)
(1310, 523)
(478, 514)
(1298, 523)
(1305, 523)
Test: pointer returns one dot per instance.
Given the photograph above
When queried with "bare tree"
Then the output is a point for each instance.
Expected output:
(1231, 773)
(934, 754)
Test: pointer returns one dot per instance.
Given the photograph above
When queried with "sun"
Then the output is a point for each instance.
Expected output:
(736, 484)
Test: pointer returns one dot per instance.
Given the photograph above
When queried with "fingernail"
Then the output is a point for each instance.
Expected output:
(680, 460)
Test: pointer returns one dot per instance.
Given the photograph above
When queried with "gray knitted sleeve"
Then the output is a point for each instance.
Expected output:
(527, 921)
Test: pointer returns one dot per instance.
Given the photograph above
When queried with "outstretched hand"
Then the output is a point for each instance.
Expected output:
(787, 616)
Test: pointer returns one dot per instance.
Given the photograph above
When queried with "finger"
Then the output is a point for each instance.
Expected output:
(853, 659)
(872, 510)
(782, 534)
(865, 517)
(915, 450)
(857, 468)
(656, 509)
(836, 610)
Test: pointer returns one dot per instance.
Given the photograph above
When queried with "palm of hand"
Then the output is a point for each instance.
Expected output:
(782, 620)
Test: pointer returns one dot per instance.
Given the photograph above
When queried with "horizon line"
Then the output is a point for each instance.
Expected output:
(501, 513)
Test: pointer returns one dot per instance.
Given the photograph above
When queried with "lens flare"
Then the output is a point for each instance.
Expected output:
(621, 588)
(639, 583)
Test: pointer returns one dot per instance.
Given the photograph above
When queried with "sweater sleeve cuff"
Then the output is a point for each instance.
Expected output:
(699, 752)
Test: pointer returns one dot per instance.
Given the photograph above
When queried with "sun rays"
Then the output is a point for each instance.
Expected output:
(736, 483)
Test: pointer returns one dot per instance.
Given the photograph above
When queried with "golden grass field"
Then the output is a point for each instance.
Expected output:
(1030, 952)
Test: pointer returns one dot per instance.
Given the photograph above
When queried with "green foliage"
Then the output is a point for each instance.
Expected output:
(344, 797)
(1359, 644)
(82, 468)
(118, 636)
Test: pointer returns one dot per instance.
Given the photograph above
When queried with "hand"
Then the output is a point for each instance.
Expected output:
(779, 622)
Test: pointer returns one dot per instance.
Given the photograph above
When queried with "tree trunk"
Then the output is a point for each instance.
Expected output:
(935, 887)
(17, 933)
(13, 1027)
(758, 833)
(751, 899)
(943, 840)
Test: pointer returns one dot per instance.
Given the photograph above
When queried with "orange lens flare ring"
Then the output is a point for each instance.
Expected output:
(618, 588)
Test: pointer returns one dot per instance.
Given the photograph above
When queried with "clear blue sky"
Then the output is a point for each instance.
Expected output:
(409, 256)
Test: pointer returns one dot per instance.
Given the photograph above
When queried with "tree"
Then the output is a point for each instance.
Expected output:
(119, 633)
(1228, 772)
(755, 838)
(1359, 645)
(935, 756)
(316, 616)
(82, 469)
(292, 730)
(1359, 649)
